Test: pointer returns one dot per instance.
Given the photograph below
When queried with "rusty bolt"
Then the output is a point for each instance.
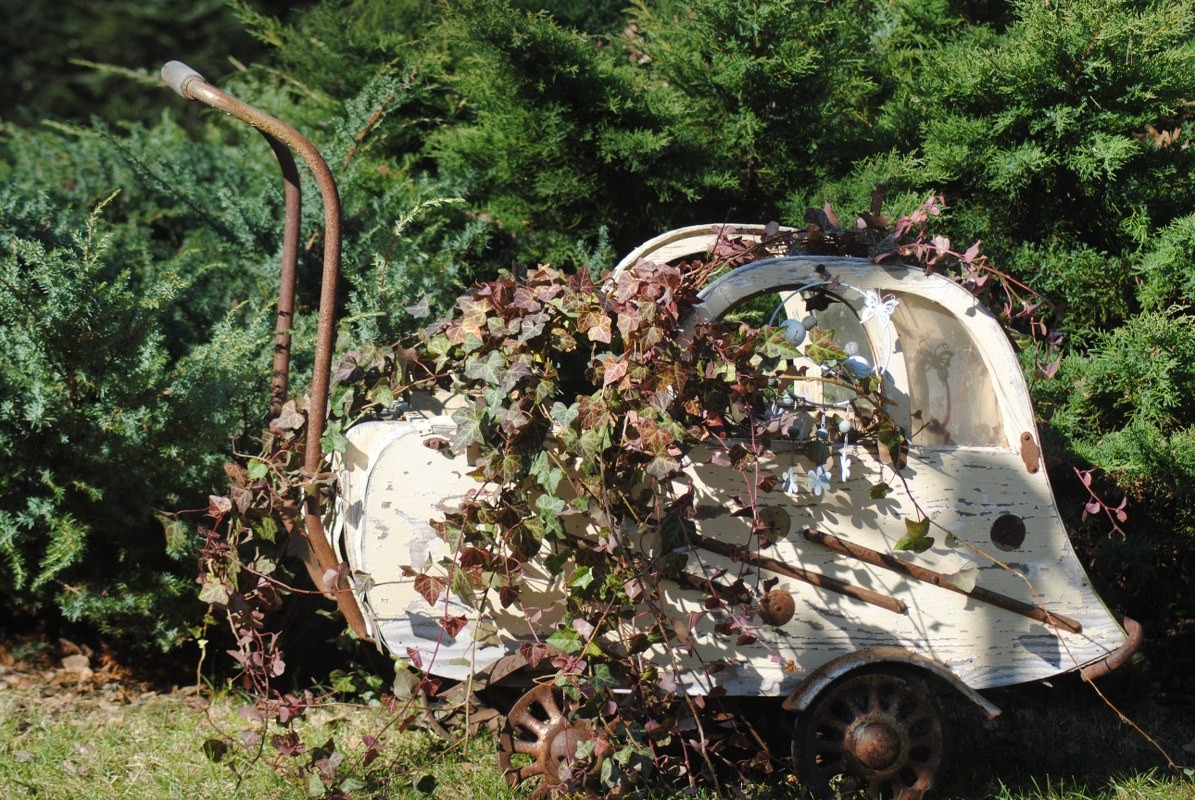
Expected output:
(777, 607)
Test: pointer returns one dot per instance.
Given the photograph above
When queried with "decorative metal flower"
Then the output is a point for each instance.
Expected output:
(790, 482)
(819, 481)
(844, 463)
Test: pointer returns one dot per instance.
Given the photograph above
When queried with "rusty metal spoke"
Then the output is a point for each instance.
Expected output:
(882, 732)
(538, 727)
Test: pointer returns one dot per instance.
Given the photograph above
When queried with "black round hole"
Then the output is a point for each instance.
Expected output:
(1008, 532)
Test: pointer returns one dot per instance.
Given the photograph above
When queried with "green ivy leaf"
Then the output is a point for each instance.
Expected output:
(879, 491)
(777, 345)
(490, 370)
(916, 529)
(350, 785)
(563, 415)
(213, 591)
(546, 472)
(661, 467)
(893, 447)
(544, 390)
(916, 539)
(340, 399)
(383, 395)
(266, 529)
(593, 442)
(531, 326)
(343, 682)
(585, 749)
(581, 578)
(505, 467)
(823, 349)
(550, 509)
(603, 679)
(439, 346)
(265, 566)
(176, 536)
(525, 542)
(462, 587)
(468, 428)
(472, 342)
(566, 639)
(916, 544)
(495, 398)
(334, 440)
(258, 469)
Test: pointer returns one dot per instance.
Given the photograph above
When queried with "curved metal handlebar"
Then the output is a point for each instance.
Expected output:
(191, 85)
(179, 76)
(285, 140)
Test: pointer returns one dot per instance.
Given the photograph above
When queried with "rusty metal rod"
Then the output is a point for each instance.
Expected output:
(736, 553)
(890, 562)
(293, 194)
(192, 86)
(1117, 658)
(703, 584)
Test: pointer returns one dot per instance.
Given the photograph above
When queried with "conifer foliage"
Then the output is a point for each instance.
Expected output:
(471, 135)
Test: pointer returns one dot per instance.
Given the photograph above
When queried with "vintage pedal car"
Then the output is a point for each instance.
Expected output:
(858, 626)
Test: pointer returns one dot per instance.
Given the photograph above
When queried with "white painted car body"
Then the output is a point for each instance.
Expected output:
(957, 389)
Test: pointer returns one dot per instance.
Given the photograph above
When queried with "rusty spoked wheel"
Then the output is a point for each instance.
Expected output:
(880, 731)
(539, 733)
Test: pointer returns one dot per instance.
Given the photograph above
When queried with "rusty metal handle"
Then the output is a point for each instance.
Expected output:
(191, 85)
(285, 140)
(178, 75)
(1117, 658)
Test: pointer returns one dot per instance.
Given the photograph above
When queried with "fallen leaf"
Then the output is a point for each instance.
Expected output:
(78, 665)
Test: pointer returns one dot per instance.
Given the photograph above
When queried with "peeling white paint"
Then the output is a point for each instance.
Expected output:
(392, 485)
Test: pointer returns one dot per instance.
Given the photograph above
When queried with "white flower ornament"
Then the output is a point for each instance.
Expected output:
(819, 481)
(790, 482)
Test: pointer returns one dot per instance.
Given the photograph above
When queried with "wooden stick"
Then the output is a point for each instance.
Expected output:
(890, 562)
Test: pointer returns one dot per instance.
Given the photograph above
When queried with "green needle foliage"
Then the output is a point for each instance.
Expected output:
(134, 345)
(472, 135)
(91, 396)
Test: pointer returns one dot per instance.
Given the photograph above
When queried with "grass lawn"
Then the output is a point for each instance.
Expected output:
(78, 728)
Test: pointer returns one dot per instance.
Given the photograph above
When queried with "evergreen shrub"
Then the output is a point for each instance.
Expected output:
(99, 425)
(474, 135)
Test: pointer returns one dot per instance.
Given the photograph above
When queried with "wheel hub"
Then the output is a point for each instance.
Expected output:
(563, 742)
(880, 731)
(874, 744)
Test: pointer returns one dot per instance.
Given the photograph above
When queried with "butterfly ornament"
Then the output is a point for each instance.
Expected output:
(878, 308)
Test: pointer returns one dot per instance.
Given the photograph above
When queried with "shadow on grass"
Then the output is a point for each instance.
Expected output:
(1061, 739)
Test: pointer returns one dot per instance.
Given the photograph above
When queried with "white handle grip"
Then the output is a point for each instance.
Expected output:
(177, 75)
